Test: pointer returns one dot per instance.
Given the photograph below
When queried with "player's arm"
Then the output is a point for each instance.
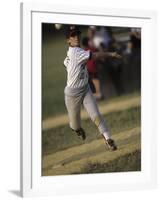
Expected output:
(104, 55)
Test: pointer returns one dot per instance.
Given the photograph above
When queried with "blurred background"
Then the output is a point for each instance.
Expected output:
(111, 78)
(118, 93)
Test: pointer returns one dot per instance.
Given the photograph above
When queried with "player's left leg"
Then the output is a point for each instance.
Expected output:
(90, 105)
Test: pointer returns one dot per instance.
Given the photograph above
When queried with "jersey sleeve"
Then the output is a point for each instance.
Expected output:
(83, 56)
(66, 62)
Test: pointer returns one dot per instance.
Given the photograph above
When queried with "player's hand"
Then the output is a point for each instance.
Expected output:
(116, 55)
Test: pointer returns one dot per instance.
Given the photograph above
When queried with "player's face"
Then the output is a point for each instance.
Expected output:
(74, 40)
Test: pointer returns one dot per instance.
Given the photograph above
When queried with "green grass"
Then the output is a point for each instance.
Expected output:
(62, 137)
(114, 99)
(53, 76)
(126, 163)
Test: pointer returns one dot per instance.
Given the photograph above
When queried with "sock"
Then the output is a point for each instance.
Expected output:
(106, 135)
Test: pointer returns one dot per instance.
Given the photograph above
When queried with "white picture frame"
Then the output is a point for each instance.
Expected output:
(32, 183)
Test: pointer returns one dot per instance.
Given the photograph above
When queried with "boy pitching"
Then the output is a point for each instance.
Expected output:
(77, 90)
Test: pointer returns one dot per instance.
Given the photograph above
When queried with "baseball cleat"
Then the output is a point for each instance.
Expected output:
(111, 144)
(81, 133)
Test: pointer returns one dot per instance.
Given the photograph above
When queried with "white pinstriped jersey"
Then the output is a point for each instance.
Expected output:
(75, 63)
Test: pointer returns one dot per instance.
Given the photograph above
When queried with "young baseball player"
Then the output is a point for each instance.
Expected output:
(77, 90)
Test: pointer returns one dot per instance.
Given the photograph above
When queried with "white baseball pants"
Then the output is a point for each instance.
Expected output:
(73, 105)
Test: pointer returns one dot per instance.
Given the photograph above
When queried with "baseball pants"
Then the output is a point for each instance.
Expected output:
(73, 105)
